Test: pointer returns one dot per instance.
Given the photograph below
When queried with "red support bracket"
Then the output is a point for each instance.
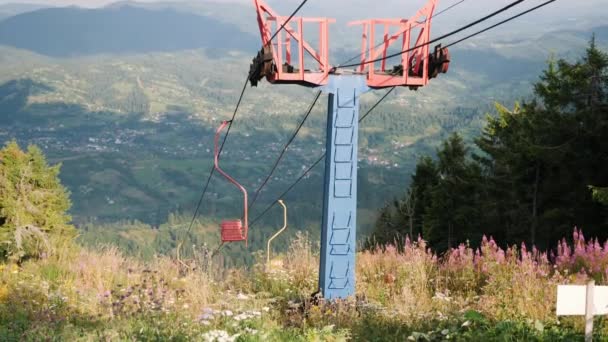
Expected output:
(309, 66)
(416, 66)
(276, 61)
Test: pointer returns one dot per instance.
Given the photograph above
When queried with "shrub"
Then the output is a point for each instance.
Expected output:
(33, 204)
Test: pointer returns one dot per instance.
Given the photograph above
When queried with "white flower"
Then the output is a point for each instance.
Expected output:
(251, 331)
(265, 309)
(219, 336)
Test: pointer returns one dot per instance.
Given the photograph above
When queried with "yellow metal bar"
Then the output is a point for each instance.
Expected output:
(277, 234)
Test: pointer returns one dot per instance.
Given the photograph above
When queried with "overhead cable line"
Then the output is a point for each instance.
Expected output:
(418, 24)
(390, 90)
(385, 95)
(212, 171)
(293, 185)
(291, 139)
(288, 19)
(501, 23)
(489, 16)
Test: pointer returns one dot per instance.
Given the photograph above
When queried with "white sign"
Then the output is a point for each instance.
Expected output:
(571, 300)
(588, 301)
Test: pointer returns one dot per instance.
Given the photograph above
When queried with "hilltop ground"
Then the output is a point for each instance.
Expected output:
(467, 295)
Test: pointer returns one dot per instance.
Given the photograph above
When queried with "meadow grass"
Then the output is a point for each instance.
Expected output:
(408, 293)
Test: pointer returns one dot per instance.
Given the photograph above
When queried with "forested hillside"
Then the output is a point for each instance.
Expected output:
(133, 130)
(530, 176)
(479, 194)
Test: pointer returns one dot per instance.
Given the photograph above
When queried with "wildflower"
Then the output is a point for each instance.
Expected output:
(219, 336)
(205, 317)
(251, 331)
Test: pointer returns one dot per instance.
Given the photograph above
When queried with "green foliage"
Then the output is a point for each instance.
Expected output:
(529, 174)
(33, 204)
(439, 200)
(454, 209)
(541, 157)
(600, 195)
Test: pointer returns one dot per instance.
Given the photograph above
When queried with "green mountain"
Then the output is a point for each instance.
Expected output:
(132, 122)
(9, 10)
(63, 32)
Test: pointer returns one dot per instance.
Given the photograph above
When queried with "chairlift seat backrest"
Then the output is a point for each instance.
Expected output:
(233, 231)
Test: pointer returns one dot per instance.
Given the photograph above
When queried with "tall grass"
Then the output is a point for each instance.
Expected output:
(104, 292)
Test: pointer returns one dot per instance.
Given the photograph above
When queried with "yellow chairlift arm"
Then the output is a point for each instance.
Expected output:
(277, 234)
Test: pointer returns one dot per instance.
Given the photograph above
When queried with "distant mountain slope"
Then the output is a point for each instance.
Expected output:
(63, 32)
(10, 10)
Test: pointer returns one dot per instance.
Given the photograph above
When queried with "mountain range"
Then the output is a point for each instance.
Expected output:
(126, 97)
(68, 32)
(9, 10)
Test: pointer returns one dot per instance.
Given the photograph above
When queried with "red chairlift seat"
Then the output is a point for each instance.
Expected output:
(232, 230)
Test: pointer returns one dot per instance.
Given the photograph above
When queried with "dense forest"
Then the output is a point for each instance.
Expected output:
(535, 172)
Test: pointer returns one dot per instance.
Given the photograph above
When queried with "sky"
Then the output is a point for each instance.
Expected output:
(564, 5)
(473, 7)
(81, 3)
(561, 14)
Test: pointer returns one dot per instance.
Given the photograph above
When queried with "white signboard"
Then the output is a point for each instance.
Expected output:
(571, 300)
(588, 301)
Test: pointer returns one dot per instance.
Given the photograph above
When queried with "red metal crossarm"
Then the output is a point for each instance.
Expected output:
(412, 71)
(283, 70)
(232, 230)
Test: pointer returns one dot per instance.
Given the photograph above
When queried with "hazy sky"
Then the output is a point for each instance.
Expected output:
(563, 7)
(93, 3)
(564, 13)
(82, 3)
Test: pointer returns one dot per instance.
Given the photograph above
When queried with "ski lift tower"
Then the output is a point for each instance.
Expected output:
(290, 59)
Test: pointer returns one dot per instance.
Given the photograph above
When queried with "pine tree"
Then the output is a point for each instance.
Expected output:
(529, 179)
(600, 195)
(453, 215)
(542, 156)
(424, 179)
(33, 204)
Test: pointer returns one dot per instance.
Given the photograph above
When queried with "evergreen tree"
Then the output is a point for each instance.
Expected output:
(453, 214)
(600, 195)
(33, 204)
(542, 156)
(530, 178)
(424, 180)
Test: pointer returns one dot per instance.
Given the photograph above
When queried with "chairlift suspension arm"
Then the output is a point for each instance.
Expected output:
(230, 179)
(277, 233)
